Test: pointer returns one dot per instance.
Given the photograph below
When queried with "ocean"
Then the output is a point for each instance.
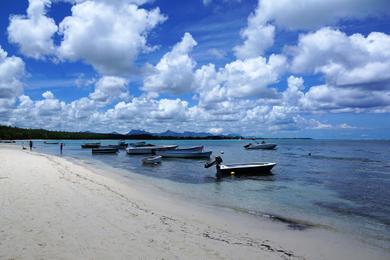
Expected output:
(340, 185)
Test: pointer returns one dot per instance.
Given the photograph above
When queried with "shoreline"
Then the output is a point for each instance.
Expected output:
(127, 218)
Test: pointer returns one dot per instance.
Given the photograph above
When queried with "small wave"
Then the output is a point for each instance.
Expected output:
(357, 159)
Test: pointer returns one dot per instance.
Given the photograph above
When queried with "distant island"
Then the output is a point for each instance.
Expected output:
(16, 133)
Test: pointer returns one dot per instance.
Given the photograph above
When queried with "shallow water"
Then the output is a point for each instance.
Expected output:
(342, 185)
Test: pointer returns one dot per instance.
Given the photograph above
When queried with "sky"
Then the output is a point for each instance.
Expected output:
(286, 68)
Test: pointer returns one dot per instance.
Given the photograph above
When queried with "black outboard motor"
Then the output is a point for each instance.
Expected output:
(218, 160)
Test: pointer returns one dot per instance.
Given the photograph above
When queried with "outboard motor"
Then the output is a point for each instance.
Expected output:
(218, 160)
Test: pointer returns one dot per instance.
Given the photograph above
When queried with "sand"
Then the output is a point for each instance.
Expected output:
(53, 208)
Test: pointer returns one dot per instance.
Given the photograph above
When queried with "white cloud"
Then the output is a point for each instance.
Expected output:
(217, 53)
(110, 88)
(216, 130)
(257, 38)
(12, 70)
(107, 36)
(170, 109)
(355, 68)
(33, 33)
(239, 79)
(174, 72)
(312, 14)
(300, 14)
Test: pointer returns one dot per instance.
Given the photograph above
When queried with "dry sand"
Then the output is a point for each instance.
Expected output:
(52, 208)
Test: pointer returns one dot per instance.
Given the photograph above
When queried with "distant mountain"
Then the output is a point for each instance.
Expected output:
(170, 133)
(138, 132)
(184, 134)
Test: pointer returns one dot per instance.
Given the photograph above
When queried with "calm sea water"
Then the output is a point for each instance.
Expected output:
(343, 185)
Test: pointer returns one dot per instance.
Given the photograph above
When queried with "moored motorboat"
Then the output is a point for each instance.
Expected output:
(185, 154)
(105, 149)
(7, 141)
(152, 160)
(48, 142)
(263, 145)
(122, 144)
(140, 144)
(140, 150)
(90, 145)
(192, 148)
(240, 169)
(149, 149)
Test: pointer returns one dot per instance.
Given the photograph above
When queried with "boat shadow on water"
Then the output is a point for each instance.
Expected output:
(218, 179)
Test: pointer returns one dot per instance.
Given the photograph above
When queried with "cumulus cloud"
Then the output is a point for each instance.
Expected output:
(259, 34)
(355, 68)
(258, 37)
(107, 36)
(110, 88)
(312, 14)
(171, 109)
(12, 70)
(174, 72)
(239, 79)
(345, 60)
(33, 33)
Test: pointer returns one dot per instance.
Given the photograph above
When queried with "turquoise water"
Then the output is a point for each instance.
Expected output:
(343, 186)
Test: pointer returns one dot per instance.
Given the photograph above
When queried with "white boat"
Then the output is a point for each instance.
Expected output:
(264, 146)
(241, 169)
(152, 160)
(149, 149)
(140, 150)
(193, 148)
(184, 154)
(165, 147)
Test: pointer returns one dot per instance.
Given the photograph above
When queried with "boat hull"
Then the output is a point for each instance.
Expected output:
(149, 149)
(139, 150)
(261, 147)
(249, 169)
(104, 150)
(193, 148)
(94, 145)
(152, 160)
(185, 155)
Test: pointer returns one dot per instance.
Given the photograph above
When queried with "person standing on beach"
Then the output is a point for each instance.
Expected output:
(31, 145)
(61, 147)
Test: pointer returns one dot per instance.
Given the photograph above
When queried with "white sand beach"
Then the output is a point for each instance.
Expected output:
(53, 208)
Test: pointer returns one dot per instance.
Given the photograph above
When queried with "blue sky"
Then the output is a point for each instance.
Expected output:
(269, 68)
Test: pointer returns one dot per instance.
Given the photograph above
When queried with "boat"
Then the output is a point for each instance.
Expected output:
(149, 149)
(185, 154)
(263, 145)
(140, 144)
(164, 147)
(140, 150)
(90, 145)
(193, 148)
(105, 149)
(240, 169)
(7, 141)
(122, 144)
(47, 142)
(152, 160)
